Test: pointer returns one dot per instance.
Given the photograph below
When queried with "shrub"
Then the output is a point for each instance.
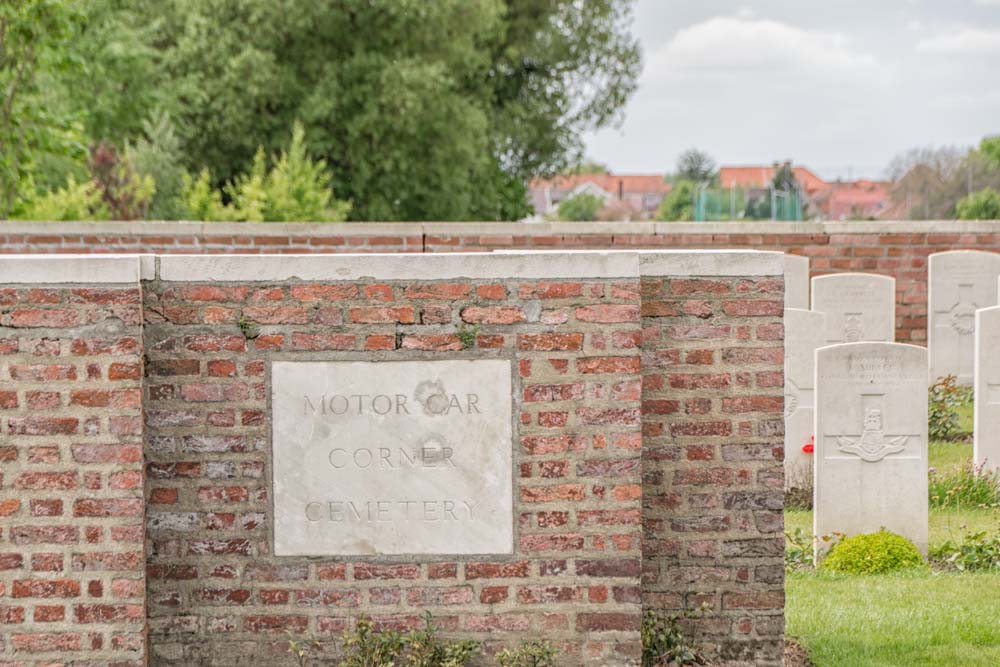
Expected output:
(663, 642)
(873, 553)
(124, 192)
(528, 654)
(582, 207)
(968, 487)
(75, 201)
(364, 646)
(943, 400)
(977, 552)
(295, 189)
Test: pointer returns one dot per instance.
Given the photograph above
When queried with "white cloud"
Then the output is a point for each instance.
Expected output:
(967, 41)
(735, 44)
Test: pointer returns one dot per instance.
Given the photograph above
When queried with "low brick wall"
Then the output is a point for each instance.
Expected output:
(897, 249)
(646, 451)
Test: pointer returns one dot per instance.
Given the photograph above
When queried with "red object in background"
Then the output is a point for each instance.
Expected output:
(810, 446)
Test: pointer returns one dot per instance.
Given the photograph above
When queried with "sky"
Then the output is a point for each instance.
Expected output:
(840, 86)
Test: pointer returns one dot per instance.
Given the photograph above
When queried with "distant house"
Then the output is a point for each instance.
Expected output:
(828, 200)
(629, 196)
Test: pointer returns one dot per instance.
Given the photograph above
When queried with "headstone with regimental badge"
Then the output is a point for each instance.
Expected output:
(959, 282)
(858, 306)
(871, 441)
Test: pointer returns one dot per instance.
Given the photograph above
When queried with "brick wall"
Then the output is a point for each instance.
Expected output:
(712, 460)
(214, 588)
(646, 452)
(897, 249)
(71, 479)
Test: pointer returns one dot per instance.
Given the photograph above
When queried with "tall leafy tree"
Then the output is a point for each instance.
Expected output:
(422, 110)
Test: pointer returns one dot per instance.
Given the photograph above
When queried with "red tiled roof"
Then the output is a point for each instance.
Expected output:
(853, 199)
(638, 183)
(760, 175)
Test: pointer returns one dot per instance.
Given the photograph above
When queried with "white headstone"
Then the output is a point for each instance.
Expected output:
(986, 419)
(858, 306)
(392, 457)
(796, 281)
(959, 282)
(871, 440)
(804, 331)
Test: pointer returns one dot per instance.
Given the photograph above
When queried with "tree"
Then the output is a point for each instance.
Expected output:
(929, 182)
(581, 207)
(422, 110)
(990, 147)
(982, 205)
(33, 40)
(784, 177)
(588, 167)
(695, 165)
(678, 205)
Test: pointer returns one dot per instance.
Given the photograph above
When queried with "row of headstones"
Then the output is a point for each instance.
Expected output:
(865, 397)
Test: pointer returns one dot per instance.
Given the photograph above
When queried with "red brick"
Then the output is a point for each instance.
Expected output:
(45, 588)
(493, 314)
(550, 342)
(444, 291)
(383, 315)
(323, 292)
(608, 313)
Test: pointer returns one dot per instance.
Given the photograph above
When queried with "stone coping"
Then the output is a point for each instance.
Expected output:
(77, 269)
(181, 228)
(84, 269)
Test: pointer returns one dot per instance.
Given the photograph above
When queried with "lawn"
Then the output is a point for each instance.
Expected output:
(912, 619)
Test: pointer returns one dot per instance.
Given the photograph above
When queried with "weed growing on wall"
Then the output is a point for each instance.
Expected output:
(528, 654)
(664, 643)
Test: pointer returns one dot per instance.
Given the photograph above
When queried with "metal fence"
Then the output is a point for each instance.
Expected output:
(714, 204)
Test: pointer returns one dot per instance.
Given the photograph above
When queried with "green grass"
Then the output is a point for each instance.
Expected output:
(912, 619)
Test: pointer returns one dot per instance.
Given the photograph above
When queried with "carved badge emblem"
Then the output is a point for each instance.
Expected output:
(963, 318)
(853, 331)
(872, 445)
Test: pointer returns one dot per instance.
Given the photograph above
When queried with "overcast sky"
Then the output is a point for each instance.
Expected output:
(839, 86)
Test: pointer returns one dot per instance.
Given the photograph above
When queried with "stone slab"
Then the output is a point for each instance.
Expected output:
(804, 333)
(392, 458)
(796, 281)
(959, 282)
(76, 269)
(858, 306)
(986, 415)
(870, 465)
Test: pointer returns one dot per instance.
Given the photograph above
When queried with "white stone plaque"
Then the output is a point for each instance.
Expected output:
(804, 332)
(986, 419)
(959, 282)
(796, 281)
(871, 440)
(392, 457)
(858, 306)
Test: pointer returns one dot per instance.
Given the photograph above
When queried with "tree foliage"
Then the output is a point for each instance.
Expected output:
(34, 39)
(581, 207)
(422, 110)
(982, 205)
(678, 205)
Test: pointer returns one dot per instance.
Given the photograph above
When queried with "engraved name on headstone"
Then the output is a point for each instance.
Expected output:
(804, 332)
(871, 441)
(959, 282)
(393, 457)
(858, 306)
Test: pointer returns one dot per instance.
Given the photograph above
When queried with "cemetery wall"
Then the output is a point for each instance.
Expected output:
(894, 248)
(71, 477)
(647, 447)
